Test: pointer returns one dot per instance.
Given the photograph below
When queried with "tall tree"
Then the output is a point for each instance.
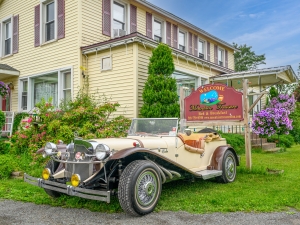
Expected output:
(160, 91)
(245, 59)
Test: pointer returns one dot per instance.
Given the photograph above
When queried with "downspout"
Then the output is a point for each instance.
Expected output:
(85, 76)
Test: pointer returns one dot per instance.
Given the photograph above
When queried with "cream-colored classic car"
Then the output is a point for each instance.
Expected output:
(134, 168)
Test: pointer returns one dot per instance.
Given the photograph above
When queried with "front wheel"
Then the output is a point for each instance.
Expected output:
(139, 188)
(228, 168)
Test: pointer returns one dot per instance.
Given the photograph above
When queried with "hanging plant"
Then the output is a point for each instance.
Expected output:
(4, 89)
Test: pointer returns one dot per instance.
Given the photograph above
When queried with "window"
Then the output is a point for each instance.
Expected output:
(157, 28)
(67, 86)
(220, 56)
(7, 37)
(201, 46)
(181, 41)
(49, 23)
(106, 63)
(24, 95)
(55, 86)
(118, 16)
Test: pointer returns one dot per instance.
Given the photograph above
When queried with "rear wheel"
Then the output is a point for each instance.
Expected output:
(228, 168)
(52, 165)
(139, 188)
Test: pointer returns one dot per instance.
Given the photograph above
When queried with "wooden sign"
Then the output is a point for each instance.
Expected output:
(214, 102)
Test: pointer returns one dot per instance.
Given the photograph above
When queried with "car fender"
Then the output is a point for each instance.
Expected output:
(217, 157)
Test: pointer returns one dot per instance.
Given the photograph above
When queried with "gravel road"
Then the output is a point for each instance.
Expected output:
(13, 212)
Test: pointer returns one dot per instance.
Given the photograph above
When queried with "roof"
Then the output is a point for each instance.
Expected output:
(184, 22)
(140, 38)
(7, 67)
(263, 76)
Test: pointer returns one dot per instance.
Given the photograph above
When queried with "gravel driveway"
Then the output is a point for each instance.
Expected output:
(12, 212)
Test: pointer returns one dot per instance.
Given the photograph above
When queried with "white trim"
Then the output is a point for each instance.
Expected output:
(222, 54)
(43, 4)
(204, 47)
(2, 22)
(163, 28)
(127, 16)
(106, 57)
(30, 88)
(186, 42)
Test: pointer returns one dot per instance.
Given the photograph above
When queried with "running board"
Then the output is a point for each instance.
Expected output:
(207, 174)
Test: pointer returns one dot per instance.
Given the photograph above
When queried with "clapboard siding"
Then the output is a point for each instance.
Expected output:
(32, 60)
(116, 84)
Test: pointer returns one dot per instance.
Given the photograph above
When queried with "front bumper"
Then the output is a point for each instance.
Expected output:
(68, 189)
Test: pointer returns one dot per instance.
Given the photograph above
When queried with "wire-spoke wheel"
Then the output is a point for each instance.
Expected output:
(228, 168)
(139, 188)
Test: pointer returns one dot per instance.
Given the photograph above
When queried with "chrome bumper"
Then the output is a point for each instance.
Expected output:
(68, 189)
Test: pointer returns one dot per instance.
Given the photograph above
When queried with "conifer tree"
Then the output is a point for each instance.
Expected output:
(160, 91)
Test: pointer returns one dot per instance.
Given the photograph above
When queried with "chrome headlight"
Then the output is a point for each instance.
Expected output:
(49, 148)
(102, 151)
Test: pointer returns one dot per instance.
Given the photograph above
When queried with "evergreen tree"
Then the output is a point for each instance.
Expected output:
(160, 91)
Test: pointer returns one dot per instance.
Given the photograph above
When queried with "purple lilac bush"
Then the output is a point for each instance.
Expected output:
(4, 89)
(275, 119)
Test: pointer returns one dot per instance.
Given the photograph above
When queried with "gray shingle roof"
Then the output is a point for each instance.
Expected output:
(7, 67)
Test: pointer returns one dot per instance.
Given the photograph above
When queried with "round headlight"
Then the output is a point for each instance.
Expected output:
(75, 180)
(102, 151)
(46, 173)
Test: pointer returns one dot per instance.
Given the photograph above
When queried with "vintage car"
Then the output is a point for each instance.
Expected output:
(134, 168)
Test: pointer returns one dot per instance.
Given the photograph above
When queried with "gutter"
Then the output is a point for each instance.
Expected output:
(139, 38)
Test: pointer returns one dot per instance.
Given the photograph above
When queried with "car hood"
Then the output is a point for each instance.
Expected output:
(121, 143)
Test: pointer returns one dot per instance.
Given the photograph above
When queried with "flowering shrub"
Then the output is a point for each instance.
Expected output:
(4, 89)
(2, 120)
(275, 119)
(86, 115)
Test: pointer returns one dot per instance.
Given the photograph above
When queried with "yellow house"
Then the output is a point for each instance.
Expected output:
(52, 48)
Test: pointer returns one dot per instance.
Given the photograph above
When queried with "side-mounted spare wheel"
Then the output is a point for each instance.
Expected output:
(139, 188)
(228, 168)
(52, 166)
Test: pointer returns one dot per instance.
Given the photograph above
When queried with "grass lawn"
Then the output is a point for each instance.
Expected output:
(254, 191)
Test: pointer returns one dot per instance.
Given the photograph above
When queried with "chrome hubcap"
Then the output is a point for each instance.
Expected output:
(230, 170)
(146, 188)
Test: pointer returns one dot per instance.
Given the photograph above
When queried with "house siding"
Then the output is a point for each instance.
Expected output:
(32, 60)
(116, 84)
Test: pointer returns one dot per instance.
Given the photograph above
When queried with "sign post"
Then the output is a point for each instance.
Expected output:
(247, 125)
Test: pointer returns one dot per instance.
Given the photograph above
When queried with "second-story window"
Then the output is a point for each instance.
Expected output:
(201, 47)
(118, 16)
(7, 37)
(157, 31)
(181, 41)
(220, 57)
(50, 22)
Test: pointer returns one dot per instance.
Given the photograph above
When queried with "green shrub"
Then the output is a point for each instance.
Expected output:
(17, 120)
(88, 115)
(283, 140)
(7, 165)
(4, 146)
(237, 141)
(2, 120)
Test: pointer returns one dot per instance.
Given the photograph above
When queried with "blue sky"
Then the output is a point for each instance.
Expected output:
(271, 27)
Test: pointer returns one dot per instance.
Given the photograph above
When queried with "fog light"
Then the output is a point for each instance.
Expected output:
(46, 173)
(75, 180)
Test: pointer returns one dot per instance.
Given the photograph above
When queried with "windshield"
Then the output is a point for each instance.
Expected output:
(157, 126)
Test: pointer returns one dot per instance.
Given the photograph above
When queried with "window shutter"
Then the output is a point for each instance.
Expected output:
(133, 19)
(168, 33)
(106, 18)
(149, 25)
(216, 54)
(60, 19)
(16, 34)
(0, 39)
(37, 26)
(226, 58)
(175, 36)
(190, 43)
(195, 45)
(208, 51)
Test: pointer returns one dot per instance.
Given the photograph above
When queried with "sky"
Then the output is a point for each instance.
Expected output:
(271, 27)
